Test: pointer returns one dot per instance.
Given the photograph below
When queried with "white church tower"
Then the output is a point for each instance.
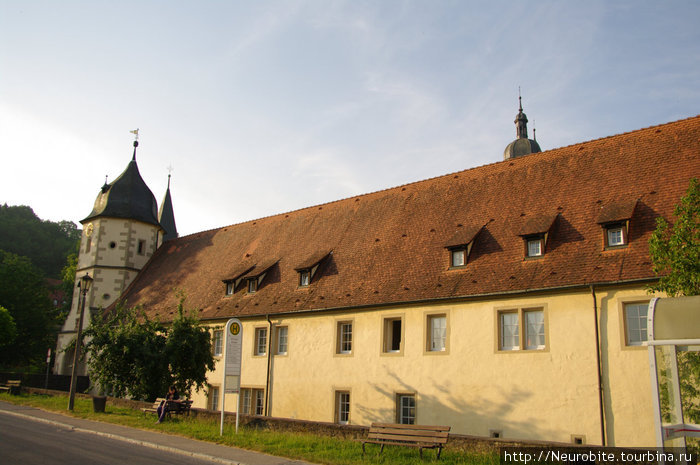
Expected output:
(120, 235)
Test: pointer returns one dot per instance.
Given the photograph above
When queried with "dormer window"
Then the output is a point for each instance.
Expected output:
(535, 232)
(304, 278)
(229, 288)
(615, 235)
(458, 257)
(535, 246)
(252, 285)
(615, 219)
(460, 245)
(308, 268)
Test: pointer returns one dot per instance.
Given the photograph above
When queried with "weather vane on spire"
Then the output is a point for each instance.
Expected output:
(135, 132)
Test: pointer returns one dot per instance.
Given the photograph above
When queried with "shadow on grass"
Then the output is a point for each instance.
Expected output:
(293, 445)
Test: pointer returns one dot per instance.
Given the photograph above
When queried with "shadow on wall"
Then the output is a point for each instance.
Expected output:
(431, 408)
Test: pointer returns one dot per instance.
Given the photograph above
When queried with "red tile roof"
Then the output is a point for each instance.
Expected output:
(388, 247)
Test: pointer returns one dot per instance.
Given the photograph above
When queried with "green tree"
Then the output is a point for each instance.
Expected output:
(675, 250)
(46, 243)
(8, 328)
(189, 351)
(130, 355)
(24, 295)
(675, 255)
(126, 356)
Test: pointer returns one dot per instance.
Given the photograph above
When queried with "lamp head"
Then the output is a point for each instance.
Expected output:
(85, 282)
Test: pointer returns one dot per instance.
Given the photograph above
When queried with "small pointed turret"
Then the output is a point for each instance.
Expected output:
(166, 216)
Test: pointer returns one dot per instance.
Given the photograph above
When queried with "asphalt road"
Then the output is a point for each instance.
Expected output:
(27, 442)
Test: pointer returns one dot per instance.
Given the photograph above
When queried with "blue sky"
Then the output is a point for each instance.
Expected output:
(261, 107)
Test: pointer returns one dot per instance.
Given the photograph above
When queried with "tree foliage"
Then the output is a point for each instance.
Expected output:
(130, 355)
(675, 250)
(24, 295)
(189, 351)
(675, 254)
(45, 243)
(8, 328)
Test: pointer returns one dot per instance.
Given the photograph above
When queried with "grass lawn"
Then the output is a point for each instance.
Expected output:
(302, 446)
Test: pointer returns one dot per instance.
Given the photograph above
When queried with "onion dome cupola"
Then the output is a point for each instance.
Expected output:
(166, 216)
(128, 197)
(521, 145)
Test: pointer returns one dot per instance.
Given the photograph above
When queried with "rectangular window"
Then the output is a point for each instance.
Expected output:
(213, 398)
(218, 344)
(521, 329)
(260, 341)
(342, 407)
(252, 285)
(304, 278)
(406, 409)
(88, 244)
(229, 288)
(636, 323)
(392, 335)
(534, 329)
(534, 247)
(615, 235)
(344, 337)
(509, 331)
(437, 333)
(141, 247)
(259, 397)
(245, 400)
(282, 340)
(459, 257)
(252, 401)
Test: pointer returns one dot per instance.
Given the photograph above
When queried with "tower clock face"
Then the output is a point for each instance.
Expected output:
(88, 229)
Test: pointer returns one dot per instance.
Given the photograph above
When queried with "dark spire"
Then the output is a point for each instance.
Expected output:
(136, 144)
(166, 216)
(127, 197)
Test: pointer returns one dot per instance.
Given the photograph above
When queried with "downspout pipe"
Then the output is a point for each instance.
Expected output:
(269, 364)
(601, 405)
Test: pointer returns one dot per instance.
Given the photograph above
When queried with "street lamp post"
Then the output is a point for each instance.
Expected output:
(84, 286)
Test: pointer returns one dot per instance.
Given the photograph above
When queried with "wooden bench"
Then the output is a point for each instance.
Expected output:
(13, 386)
(178, 407)
(421, 436)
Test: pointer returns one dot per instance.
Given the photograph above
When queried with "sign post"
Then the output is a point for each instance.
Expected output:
(231, 382)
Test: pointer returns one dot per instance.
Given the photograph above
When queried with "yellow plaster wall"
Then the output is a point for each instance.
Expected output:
(548, 394)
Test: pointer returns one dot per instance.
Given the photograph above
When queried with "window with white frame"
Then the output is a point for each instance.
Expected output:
(344, 337)
(636, 323)
(259, 398)
(521, 329)
(282, 340)
(534, 329)
(509, 331)
(260, 341)
(534, 246)
(406, 409)
(252, 285)
(213, 398)
(229, 288)
(458, 257)
(437, 333)
(392, 335)
(252, 401)
(218, 344)
(304, 278)
(615, 235)
(342, 407)
(246, 395)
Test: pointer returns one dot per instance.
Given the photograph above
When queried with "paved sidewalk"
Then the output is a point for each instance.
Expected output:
(177, 444)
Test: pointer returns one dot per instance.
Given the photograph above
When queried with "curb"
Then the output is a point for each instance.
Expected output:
(151, 445)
